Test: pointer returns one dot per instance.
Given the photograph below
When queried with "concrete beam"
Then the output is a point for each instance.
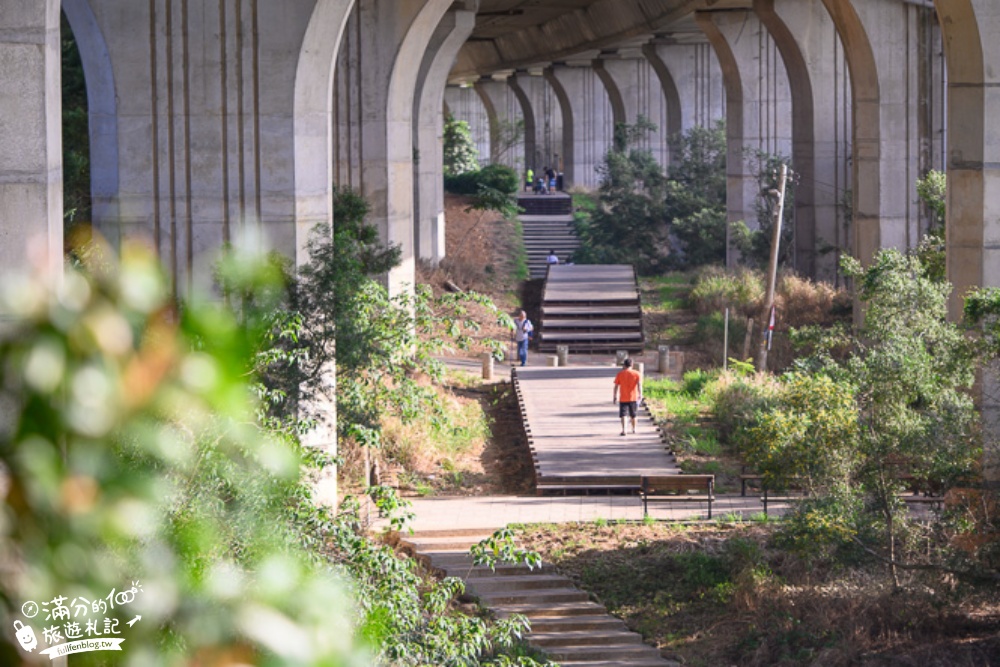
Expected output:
(602, 24)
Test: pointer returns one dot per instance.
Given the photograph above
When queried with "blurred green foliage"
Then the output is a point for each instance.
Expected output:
(131, 454)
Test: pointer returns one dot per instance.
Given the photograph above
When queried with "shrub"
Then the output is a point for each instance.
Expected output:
(807, 436)
(737, 399)
(716, 289)
(497, 176)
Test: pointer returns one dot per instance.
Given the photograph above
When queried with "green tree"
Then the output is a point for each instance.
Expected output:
(339, 315)
(696, 195)
(932, 190)
(629, 225)
(914, 421)
(460, 153)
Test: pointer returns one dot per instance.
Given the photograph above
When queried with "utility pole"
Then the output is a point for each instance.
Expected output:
(772, 270)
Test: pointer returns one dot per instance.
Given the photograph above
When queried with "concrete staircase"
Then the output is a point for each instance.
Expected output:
(591, 309)
(548, 225)
(565, 624)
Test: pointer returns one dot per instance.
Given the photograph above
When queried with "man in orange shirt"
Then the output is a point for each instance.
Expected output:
(629, 381)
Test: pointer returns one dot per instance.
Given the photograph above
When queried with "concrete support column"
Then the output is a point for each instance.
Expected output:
(973, 227)
(758, 103)
(528, 114)
(387, 49)
(882, 60)
(567, 161)
(821, 103)
(592, 134)
(221, 127)
(548, 121)
(428, 126)
(504, 110)
(693, 71)
(31, 206)
(640, 94)
(464, 103)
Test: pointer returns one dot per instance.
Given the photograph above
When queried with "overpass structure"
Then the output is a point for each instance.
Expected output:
(211, 118)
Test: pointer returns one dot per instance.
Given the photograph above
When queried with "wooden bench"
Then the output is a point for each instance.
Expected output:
(677, 488)
(630, 484)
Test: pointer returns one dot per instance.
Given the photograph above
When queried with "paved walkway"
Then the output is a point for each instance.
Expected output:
(574, 429)
(492, 512)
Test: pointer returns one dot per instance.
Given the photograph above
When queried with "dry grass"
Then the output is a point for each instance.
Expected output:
(720, 595)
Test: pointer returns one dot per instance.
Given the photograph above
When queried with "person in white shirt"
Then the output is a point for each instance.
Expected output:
(552, 258)
(523, 331)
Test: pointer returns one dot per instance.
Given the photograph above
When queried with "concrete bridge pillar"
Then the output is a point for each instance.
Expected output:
(821, 128)
(758, 103)
(536, 94)
(531, 156)
(880, 39)
(428, 126)
(587, 112)
(464, 103)
(504, 110)
(31, 207)
(384, 59)
(693, 72)
(973, 227)
(638, 90)
(206, 125)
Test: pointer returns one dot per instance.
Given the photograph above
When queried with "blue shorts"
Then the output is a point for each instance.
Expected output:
(629, 407)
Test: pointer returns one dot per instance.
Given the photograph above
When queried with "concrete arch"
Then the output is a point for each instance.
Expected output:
(491, 115)
(566, 108)
(669, 88)
(803, 134)
(398, 175)
(531, 155)
(312, 118)
(734, 122)
(102, 103)
(614, 93)
(867, 180)
(428, 113)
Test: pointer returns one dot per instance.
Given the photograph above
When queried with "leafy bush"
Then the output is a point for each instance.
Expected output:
(806, 437)
(736, 400)
(496, 176)
(131, 454)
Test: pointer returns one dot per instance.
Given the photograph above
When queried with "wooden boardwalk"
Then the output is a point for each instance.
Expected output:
(573, 427)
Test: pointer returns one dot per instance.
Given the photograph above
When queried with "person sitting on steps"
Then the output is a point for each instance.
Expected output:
(552, 258)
